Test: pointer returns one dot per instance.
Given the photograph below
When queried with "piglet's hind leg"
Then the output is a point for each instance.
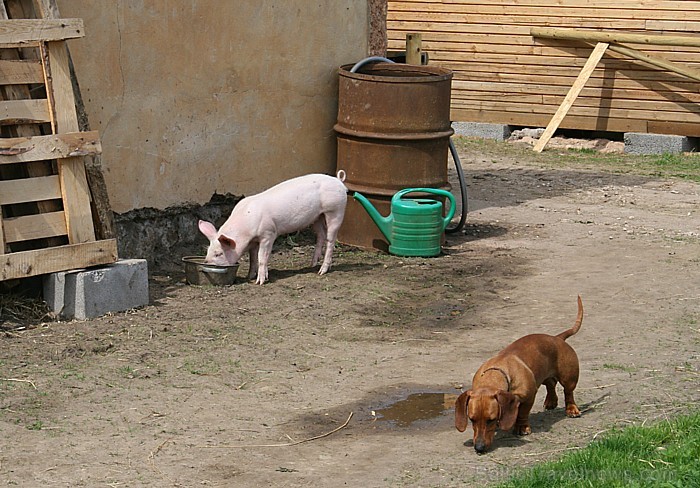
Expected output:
(320, 229)
(333, 223)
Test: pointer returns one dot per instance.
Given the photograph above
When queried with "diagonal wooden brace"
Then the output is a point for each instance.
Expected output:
(570, 98)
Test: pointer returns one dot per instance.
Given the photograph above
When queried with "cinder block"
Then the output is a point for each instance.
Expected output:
(90, 293)
(58, 286)
(500, 132)
(640, 143)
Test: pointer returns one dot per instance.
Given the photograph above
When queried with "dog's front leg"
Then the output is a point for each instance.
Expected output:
(522, 424)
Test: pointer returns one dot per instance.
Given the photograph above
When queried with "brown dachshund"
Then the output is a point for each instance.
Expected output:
(504, 388)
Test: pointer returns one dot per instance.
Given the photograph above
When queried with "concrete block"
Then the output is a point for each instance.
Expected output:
(90, 293)
(500, 132)
(640, 143)
(57, 287)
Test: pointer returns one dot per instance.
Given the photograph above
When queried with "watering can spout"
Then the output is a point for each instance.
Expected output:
(383, 223)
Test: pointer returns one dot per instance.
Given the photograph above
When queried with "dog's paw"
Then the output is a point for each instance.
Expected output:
(572, 411)
(522, 430)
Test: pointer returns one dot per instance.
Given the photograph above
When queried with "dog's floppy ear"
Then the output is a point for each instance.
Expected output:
(509, 404)
(461, 419)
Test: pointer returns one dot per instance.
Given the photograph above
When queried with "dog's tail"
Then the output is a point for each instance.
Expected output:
(577, 325)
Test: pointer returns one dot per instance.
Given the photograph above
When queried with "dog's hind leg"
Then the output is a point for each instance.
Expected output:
(551, 401)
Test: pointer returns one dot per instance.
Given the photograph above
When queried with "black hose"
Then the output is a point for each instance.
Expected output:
(462, 189)
(371, 59)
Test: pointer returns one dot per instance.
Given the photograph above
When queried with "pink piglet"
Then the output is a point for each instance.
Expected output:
(316, 200)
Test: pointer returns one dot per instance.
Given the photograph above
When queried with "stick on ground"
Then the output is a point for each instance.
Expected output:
(286, 444)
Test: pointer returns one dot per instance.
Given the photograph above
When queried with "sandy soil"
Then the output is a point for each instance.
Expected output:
(239, 386)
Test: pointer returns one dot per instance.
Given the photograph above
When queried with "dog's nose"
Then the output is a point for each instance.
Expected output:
(480, 447)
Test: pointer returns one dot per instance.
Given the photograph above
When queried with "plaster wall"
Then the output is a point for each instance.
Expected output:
(203, 97)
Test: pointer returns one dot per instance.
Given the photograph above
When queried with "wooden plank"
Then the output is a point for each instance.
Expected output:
(2, 236)
(658, 62)
(542, 74)
(594, 98)
(30, 190)
(673, 128)
(528, 119)
(570, 98)
(448, 43)
(60, 258)
(413, 48)
(38, 226)
(595, 88)
(24, 111)
(76, 193)
(38, 148)
(581, 110)
(405, 20)
(647, 81)
(614, 37)
(76, 200)
(508, 60)
(47, 9)
(37, 30)
(673, 25)
(602, 4)
(20, 72)
(59, 74)
(582, 10)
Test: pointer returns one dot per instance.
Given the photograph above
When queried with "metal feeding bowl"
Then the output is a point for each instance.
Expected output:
(197, 272)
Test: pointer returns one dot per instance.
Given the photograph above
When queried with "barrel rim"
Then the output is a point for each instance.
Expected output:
(385, 192)
(397, 136)
(424, 74)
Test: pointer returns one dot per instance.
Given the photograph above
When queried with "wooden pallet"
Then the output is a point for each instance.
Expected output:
(46, 224)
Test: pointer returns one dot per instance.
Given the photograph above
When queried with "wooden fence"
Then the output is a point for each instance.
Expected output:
(502, 74)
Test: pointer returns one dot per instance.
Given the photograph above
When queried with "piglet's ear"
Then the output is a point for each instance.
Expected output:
(227, 241)
(208, 229)
(461, 411)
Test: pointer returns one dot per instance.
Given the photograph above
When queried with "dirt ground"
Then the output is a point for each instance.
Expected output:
(349, 379)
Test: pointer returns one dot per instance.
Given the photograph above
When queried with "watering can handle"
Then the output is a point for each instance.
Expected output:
(434, 191)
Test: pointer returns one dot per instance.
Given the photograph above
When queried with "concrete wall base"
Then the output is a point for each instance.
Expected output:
(641, 143)
(89, 293)
(500, 132)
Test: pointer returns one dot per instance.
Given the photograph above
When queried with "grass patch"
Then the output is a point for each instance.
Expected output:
(620, 367)
(36, 425)
(666, 454)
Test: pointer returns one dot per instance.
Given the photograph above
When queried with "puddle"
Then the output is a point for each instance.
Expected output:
(416, 407)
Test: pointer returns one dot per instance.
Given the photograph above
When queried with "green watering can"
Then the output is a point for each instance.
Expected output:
(415, 225)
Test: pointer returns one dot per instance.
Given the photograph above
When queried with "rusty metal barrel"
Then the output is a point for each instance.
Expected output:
(393, 132)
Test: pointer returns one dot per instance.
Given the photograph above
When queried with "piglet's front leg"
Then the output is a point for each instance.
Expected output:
(253, 260)
(264, 251)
